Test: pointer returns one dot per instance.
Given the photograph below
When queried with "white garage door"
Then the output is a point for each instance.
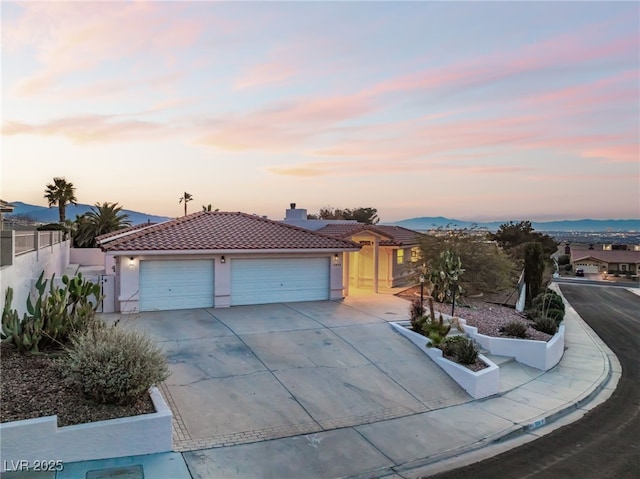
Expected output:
(588, 267)
(176, 284)
(260, 281)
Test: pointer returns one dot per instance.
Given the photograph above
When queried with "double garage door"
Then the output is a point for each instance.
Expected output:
(185, 284)
(588, 267)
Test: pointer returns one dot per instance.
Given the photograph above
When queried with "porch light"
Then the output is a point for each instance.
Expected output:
(222, 260)
(335, 257)
(132, 262)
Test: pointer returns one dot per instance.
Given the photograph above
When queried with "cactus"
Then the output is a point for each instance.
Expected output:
(53, 315)
(26, 333)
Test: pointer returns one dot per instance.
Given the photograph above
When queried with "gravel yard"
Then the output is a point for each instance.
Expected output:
(488, 317)
(32, 387)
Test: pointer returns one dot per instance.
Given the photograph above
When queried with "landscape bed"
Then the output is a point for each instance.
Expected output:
(479, 384)
(41, 439)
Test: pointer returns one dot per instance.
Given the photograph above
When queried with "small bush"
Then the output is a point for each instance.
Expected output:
(450, 345)
(556, 314)
(563, 259)
(113, 365)
(548, 300)
(517, 329)
(466, 351)
(568, 267)
(545, 324)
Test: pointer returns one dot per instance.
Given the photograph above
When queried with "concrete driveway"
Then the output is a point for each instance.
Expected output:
(250, 373)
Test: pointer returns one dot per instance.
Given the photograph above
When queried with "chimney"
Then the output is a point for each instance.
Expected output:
(293, 206)
(294, 214)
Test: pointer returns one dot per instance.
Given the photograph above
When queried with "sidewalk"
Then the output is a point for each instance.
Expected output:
(531, 403)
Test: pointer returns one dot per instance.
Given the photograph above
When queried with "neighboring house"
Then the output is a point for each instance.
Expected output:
(219, 259)
(386, 254)
(606, 260)
(5, 208)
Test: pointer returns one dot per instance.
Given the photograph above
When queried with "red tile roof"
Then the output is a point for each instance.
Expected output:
(213, 230)
(119, 232)
(397, 235)
(607, 256)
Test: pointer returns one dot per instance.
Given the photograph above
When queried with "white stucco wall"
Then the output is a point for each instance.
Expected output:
(42, 440)
(87, 256)
(27, 267)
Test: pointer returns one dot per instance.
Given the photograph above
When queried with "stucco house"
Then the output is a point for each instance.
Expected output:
(221, 259)
(384, 258)
(606, 260)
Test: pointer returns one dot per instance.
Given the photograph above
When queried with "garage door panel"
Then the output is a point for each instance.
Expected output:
(261, 281)
(588, 267)
(176, 284)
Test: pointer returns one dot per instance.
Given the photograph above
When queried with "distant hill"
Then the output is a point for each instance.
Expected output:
(43, 214)
(430, 222)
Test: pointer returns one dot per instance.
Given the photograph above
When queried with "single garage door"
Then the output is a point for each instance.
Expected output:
(176, 284)
(261, 281)
(588, 267)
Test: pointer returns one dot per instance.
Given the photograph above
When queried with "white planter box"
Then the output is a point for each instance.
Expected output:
(538, 354)
(41, 439)
(478, 384)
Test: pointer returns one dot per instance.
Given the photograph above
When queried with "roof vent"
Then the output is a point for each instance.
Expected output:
(293, 206)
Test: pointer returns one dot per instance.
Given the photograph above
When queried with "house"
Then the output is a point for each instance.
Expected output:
(5, 208)
(608, 259)
(384, 259)
(221, 259)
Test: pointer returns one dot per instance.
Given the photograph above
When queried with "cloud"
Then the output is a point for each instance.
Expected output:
(90, 129)
(72, 37)
(284, 126)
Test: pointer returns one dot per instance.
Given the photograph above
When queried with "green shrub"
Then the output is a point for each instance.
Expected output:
(548, 300)
(466, 352)
(545, 324)
(430, 328)
(450, 345)
(556, 314)
(113, 365)
(517, 329)
(563, 259)
(568, 267)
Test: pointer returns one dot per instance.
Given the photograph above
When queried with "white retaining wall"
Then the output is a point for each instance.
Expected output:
(538, 354)
(27, 267)
(41, 439)
(478, 384)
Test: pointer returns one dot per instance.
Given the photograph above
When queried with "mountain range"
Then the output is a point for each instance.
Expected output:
(430, 222)
(50, 215)
(42, 214)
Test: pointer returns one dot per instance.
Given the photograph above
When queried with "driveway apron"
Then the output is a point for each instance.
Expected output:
(250, 373)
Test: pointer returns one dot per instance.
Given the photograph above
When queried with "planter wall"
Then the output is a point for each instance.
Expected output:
(41, 439)
(538, 354)
(478, 384)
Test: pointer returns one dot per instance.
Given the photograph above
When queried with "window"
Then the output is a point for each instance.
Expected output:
(400, 256)
(623, 267)
(415, 255)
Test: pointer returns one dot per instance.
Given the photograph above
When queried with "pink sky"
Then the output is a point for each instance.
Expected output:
(506, 110)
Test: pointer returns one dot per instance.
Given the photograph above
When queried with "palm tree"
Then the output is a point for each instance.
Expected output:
(60, 193)
(186, 198)
(208, 208)
(103, 218)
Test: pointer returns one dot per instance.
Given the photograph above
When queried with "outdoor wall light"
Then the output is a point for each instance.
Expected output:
(222, 260)
(335, 257)
(132, 262)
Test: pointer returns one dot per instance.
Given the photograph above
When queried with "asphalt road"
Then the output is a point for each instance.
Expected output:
(605, 443)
